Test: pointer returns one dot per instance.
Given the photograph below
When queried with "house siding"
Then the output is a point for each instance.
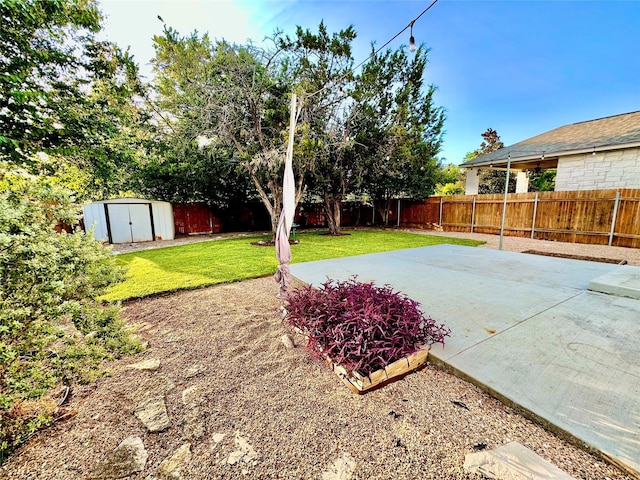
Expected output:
(615, 169)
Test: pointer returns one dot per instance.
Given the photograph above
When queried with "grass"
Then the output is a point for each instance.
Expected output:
(220, 261)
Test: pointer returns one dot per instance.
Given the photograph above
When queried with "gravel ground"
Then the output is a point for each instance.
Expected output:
(222, 345)
(518, 244)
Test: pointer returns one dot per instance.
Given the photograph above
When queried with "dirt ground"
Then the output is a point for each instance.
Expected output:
(230, 386)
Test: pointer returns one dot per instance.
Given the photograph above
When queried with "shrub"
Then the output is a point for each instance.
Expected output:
(53, 330)
(361, 326)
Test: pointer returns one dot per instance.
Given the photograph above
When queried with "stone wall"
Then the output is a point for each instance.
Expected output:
(613, 169)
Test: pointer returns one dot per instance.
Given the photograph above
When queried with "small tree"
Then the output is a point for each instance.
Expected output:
(491, 181)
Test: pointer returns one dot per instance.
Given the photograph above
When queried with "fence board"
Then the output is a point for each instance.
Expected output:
(583, 216)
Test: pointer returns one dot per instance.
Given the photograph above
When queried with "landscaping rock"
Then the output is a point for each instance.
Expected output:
(151, 365)
(244, 453)
(193, 371)
(287, 341)
(151, 386)
(512, 461)
(153, 414)
(128, 458)
(191, 396)
(171, 468)
(194, 427)
(342, 468)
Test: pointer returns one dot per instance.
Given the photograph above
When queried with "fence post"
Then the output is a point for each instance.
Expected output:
(440, 213)
(613, 219)
(473, 213)
(533, 221)
(504, 204)
(398, 212)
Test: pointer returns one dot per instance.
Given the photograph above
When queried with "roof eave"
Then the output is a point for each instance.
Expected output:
(563, 153)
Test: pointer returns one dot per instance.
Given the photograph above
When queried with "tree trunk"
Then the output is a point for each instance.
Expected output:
(387, 212)
(384, 209)
(332, 208)
(275, 218)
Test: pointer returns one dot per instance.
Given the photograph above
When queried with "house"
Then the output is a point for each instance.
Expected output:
(592, 155)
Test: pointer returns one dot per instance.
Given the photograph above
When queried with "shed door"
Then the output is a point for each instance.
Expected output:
(130, 223)
(140, 221)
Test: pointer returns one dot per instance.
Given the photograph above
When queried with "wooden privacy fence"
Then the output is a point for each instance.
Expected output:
(604, 217)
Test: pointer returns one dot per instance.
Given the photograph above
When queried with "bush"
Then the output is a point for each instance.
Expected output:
(53, 330)
(361, 326)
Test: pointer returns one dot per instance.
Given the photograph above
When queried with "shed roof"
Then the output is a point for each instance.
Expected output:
(129, 200)
(608, 133)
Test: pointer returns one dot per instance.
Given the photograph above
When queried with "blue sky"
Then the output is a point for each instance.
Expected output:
(519, 67)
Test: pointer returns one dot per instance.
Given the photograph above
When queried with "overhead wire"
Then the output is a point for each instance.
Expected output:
(409, 26)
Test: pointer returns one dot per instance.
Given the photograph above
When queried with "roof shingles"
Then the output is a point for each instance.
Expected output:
(603, 132)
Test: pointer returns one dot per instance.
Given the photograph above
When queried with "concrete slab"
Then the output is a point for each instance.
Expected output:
(624, 282)
(526, 328)
(465, 288)
(576, 366)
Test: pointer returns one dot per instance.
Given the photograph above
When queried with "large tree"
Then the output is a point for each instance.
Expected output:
(66, 98)
(191, 171)
(220, 95)
(321, 66)
(375, 132)
(405, 134)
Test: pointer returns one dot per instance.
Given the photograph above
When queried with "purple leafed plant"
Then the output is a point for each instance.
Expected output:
(361, 326)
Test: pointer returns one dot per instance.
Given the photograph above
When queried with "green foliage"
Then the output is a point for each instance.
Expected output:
(450, 174)
(66, 98)
(186, 173)
(207, 263)
(492, 181)
(447, 189)
(380, 137)
(39, 42)
(490, 143)
(542, 181)
(52, 327)
(451, 181)
(406, 130)
(221, 109)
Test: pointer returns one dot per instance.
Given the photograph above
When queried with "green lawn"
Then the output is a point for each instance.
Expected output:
(219, 261)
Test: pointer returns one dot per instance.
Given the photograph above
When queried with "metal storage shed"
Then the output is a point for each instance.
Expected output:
(129, 220)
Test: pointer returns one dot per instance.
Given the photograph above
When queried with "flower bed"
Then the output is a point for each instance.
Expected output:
(369, 335)
(360, 383)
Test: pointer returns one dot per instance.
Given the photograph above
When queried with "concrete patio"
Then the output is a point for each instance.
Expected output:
(528, 329)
